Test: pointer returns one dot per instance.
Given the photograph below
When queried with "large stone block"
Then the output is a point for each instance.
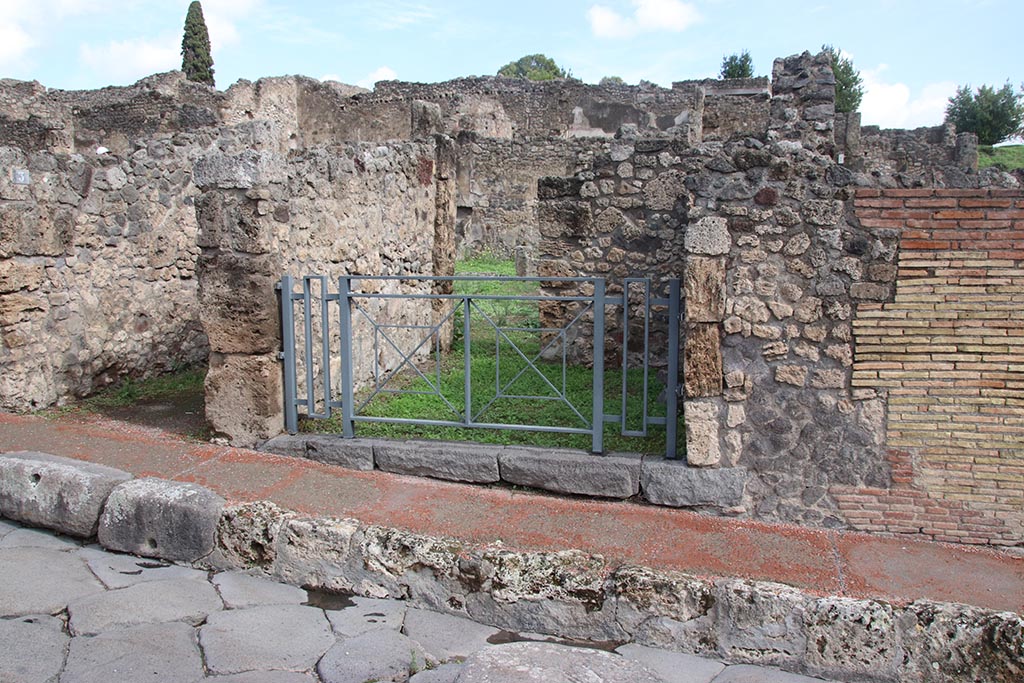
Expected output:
(675, 484)
(851, 637)
(158, 518)
(238, 302)
(705, 289)
(54, 492)
(709, 236)
(571, 472)
(702, 360)
(703, 422)
(242, 170)
(330, 449)
(244, 397)
(453, 461)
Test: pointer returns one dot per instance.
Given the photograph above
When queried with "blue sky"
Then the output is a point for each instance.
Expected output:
(911, 54)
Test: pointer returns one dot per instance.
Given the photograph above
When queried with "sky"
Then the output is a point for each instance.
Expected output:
(912, 55)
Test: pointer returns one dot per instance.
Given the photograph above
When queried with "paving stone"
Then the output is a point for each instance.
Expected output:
(382, 655)
(117, 570)
(571, 472)
(240, 590)
(254, 640)
(144, 603)
(367, 614)
(266, 677)
(42, 581)
(293, 445)
(152, 652)
(677, 485)
(445, 673)
(354, 454)
(674, 667)
(544, 662)
(444, 636)
(454, 461)
(7, 527)
(33, 649)
(157, 518)
(37, 538)
(54, 492)
(746, 673)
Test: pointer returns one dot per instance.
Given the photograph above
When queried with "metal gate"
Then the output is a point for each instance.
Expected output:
(344, 349)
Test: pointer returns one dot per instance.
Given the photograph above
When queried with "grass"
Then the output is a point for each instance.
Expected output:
(1007, 157)
(495, 363)
(187, 381)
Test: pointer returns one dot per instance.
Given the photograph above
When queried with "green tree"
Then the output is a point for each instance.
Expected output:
(849, 85)
(611, 80)
(993, 115)
(737, 66)
(534, 68)
(196, 61)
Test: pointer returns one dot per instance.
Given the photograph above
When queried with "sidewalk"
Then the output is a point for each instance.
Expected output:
(818, 561)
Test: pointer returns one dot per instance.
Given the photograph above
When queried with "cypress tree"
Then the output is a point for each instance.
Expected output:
(196, 61)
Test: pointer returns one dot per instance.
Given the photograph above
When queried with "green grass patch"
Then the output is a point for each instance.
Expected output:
(510, 360)
(188, 381)
(1006, 157)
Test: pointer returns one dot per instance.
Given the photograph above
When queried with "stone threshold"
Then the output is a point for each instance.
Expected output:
(568, 593)
(654, 479)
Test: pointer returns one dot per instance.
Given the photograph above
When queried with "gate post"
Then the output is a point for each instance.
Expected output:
(291, 411)
(345, 313)
(597, 438)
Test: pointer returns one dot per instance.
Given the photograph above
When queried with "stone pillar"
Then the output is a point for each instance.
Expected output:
(803, 105)
(446, 187)
(237, 271)
(707, 242)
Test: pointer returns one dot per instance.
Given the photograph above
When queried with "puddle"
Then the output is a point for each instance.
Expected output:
(327, 600)
(506, 637)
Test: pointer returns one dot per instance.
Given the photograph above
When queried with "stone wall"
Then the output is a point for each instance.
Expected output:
(735, 106)
(97, 268)
(338, 210)
(947, 355)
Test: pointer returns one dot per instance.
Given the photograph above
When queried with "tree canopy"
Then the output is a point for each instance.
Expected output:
(993, 115)
(849, 85)
(196, 61)
(611, 80)
(737, 66)
(533, 67)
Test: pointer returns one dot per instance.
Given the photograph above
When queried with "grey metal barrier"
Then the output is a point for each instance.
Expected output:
(316, 339)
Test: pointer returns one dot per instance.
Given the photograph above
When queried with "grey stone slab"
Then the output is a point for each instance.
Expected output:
(144, 603)
(445, 673)
(266, 677)
(367, 614)
(544, 662)
(240, 590)
(675, 484)
(33, 650)
(747, 673)
(376, 656)
(444, 636)
(674, 667)
(573, 472)
(256, 639)
(293, 445)
(353, 454)
(157, 518)
(42, 581)
(153, 652)
(54, 492)
(37, 538)
(454, 461)
(117, 570)
(7, 527)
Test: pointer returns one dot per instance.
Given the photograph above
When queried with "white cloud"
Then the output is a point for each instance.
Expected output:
(894, 105)
(221, 17)
(648, 16)
(14, 42)
(394, 14)
(125, 61)
(383, 73)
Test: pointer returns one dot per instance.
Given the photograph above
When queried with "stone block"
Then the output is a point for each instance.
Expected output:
(674, 484)
(244, 397)
(154, 652)
(703, 423)
(58, 493)
(16, 275)
(565, 218)
(444, 636)
(42, 581)
(253, 639)
(702, 360)
(241, 170)
(705, 289)
(851, 638)
(34, 649)
(441, 460)
(571, 472)
(144, 603)
(709, 236)
(291, 445)
(238, 302)
(760, 622)
(157, 518)
(535, 662)
(377, 656)
(669, 665)
(353, 454)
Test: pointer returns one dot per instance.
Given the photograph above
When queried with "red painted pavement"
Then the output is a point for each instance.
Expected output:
(822, 562)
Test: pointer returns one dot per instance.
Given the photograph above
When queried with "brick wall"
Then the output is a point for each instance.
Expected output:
(948, 353)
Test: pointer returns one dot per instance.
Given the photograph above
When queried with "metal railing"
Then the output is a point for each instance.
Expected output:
(317, 339)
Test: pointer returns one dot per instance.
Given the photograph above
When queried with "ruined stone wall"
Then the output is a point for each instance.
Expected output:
(947, 355)
(737, 106)
(97, 269)
(349, 209)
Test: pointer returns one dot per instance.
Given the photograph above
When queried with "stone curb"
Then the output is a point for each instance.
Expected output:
(574, 594)
(670, 483)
